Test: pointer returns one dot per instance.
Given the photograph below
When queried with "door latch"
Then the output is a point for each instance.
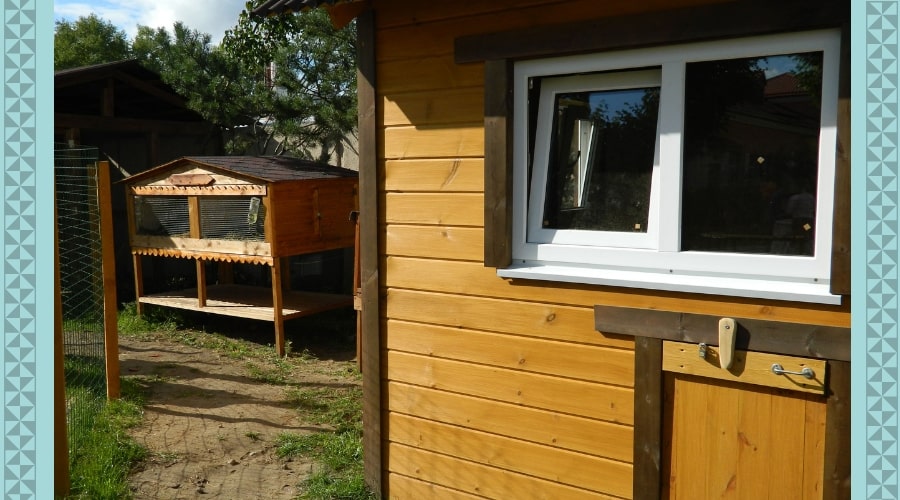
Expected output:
(727, 336)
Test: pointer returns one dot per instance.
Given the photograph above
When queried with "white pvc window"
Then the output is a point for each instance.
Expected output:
(706, 167)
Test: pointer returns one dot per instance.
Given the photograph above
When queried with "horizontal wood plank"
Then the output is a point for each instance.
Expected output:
(561, 466)
(399, 486)
(452, 209)
(192, 247)
(434, 107)
(456, 174)
(529, 319)
(437, 35)
(798, 339)
(575, 397)
(477, 479)
(578, 361)
(594, 437)
(251, 302)
(747, 367)
(439, 242)
(469, 278)
(426, 74)
(200, 179)
(456, 141)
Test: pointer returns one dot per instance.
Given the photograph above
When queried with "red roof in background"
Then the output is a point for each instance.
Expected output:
(785, 84)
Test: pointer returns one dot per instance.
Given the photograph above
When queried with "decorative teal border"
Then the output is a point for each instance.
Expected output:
(875, 230)
(27, 220)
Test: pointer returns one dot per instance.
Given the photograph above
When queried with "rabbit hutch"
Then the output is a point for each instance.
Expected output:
(223, 211)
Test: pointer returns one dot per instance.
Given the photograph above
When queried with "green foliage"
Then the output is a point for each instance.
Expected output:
(86, 41)
(311, 98)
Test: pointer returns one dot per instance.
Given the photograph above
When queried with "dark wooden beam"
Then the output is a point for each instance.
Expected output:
(368, 227)
(836, 484)
(114, 124)
(150, 89)
(690, 24)
(648, 418)
(498, 117)
(794, 339)
(840, 236)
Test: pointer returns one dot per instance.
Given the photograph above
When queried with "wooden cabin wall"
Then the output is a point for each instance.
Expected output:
(493, 388)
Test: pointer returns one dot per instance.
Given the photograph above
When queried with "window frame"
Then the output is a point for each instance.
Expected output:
(666, 267)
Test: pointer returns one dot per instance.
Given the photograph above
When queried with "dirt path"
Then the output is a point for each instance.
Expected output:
(211, 428)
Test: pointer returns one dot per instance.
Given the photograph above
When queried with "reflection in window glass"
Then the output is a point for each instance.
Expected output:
(601, 160)
(751, 143)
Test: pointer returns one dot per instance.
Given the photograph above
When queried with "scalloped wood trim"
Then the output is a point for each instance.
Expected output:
(213, 257)
(212, 190)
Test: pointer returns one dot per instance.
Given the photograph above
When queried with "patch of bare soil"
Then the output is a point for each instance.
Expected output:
(211, 427)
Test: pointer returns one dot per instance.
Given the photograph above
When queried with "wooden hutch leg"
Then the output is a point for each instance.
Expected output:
(201, 283)
(277, 304)
(138, 283)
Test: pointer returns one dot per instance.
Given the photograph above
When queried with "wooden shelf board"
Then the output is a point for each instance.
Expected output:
(253, 302)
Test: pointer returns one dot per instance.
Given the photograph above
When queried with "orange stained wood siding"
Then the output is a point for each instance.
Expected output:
(477, 478)
(484, 377)
(534, 425)
(550, 463)
(434, 175)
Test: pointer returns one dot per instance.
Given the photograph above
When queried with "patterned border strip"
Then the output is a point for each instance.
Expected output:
(880, 473)
(19, 249)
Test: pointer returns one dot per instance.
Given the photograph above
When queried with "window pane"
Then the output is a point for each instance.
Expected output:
(751, 143)
(601, 160)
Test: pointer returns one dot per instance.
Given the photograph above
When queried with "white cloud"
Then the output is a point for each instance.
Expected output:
(207, 16)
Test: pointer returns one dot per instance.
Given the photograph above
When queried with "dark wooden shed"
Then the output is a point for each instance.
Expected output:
(249, 210)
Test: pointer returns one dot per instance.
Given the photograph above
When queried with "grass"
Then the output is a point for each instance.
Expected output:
(339, 451)
(101, 452)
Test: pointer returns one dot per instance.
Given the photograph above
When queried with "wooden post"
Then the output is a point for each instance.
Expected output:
(357, 290)
(110, 307)
(135, 258)
(201, 283)
(277, 304)
(61, 482)
(197, 233)
(138, 283)
(368, 134)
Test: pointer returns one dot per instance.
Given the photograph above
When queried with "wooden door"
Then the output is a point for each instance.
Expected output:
(741, 433)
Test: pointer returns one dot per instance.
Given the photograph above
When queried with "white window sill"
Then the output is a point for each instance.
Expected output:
(762, 288)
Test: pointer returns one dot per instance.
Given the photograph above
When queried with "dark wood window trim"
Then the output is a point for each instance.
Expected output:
(651, 328)
(498, 51)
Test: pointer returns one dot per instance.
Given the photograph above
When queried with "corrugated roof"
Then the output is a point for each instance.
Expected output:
(264, 168)
(273, 7)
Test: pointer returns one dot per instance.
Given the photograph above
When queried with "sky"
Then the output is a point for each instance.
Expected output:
(207, 16)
